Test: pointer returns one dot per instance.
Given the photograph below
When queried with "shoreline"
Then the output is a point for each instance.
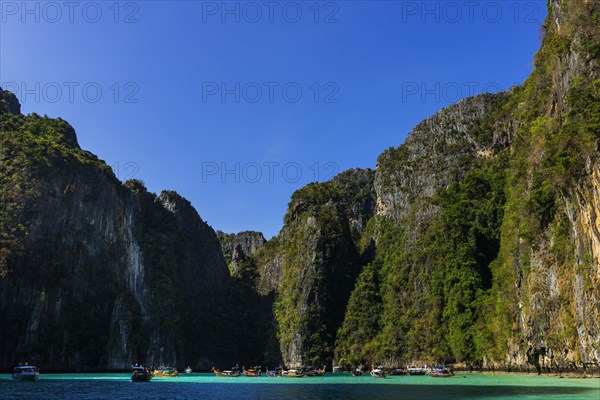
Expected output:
(565, 375)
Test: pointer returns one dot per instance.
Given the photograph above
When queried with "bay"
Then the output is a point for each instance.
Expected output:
(331, 386)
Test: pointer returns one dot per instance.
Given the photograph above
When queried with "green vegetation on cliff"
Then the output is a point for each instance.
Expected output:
(321, 260)
(470, 262)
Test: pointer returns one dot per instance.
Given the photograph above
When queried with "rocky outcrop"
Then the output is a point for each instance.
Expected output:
(476, 241)
(237, 247)
(313, 263)
(543, 264)
(9, 103)
(437, 152)
(551, 246)
(97, 274)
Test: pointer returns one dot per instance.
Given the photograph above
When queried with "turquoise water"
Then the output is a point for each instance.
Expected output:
(331, 386)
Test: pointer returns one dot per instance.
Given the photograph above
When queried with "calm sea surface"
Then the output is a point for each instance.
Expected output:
(331, 386)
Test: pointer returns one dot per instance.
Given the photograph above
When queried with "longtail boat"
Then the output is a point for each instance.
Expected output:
(293, 373)
(140, 374)
(441, 372)
(252, 372)
(316, 371)
(226, 373)
(166, 372)
(378, 373)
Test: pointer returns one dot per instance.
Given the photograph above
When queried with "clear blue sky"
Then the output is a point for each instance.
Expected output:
(366, 72)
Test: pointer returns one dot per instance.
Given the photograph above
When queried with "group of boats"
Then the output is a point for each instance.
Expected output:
(434, 371)
(143, 374)
(271, 373)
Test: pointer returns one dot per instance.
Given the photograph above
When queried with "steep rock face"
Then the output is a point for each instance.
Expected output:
(437, 152)
(319, 257)
(96, 274)
(239, 246)
(549, 248)
(397, 313)
(9, 103)
(487, 223)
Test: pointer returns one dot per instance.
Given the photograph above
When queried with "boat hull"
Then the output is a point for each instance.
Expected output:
(226, 374)
(141, 377)
(162, 374)
(25, 377)
(292, 373)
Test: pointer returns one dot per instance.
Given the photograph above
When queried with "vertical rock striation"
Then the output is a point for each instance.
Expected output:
(96, 274)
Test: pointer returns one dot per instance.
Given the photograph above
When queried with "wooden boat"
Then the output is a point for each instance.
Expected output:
(311, 371)
(293, 373)
(441, 372)
(25, 373)
(417, 370)
(273, 373)
(166, 372)
(140, 374)
(252, 372)
(378, 373)
(233, 373)
(357, 372)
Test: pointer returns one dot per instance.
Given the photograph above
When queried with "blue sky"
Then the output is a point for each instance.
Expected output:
(235, 105)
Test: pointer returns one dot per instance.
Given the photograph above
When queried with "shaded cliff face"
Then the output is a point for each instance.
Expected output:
(96, 274)
(9, 103)
(313, 263)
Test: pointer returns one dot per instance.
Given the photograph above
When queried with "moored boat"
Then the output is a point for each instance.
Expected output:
(357, 372)
(441, 372)
(233, 373)
(336, 369)
(293, 373)
(398, 371)
(25, 373)
(166, 372)
(378, 373)
(188, 370)
(312, 371)
(417, 370)
(252, 372)
(140, 374)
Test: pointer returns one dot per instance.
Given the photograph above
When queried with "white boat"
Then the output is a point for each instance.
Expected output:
(378, 373)
(188, 370)
(25, 373)
(293, 373)
(337, 369)
(417, 370)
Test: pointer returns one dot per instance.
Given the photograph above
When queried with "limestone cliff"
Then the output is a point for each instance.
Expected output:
(95, 273)
(487, 250)
(549, 265)
(483, 243)
(237, 247)
(477, 241)
(312, 264)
